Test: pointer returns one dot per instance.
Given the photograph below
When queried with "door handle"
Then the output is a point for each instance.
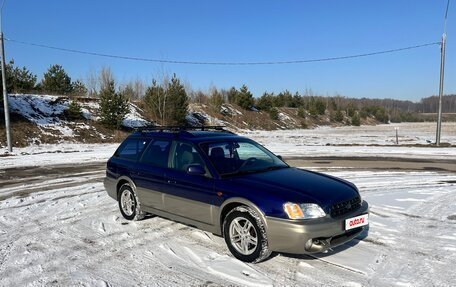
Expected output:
(171, 181)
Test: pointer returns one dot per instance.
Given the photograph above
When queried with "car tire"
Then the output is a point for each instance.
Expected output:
(129, 205)
(245, 235)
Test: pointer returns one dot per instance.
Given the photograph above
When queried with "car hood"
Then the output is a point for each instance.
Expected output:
(298, 185)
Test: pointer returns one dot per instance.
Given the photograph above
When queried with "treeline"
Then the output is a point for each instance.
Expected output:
(337, 108)
(166, 101)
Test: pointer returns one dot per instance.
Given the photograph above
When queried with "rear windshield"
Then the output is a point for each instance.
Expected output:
(130, 149)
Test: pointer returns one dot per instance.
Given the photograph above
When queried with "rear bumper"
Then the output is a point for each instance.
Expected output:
(110, 186)
(291, 236)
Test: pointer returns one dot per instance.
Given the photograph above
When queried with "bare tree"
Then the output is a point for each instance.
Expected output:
(105, 77)
(138, 88)
(155, 100)
(92, 83)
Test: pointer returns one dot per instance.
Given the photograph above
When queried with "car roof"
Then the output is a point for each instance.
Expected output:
(190, 135)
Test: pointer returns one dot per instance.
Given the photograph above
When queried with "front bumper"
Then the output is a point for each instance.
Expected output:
(290, 236)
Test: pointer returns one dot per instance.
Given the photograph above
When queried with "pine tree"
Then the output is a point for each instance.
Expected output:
(18, 80)
(74, 111)
(79, 89)
(320, 106)
(265, 102)
(56, 81)
(113, 106)
(167, 104)
(232, 95)
(245, 98)
(216, 100)
(178, 102)
(338, 117)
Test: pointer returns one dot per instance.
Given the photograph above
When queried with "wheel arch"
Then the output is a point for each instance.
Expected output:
(123, 180)
(234, 202)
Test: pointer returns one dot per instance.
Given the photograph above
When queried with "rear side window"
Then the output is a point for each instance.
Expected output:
(157, 153)
(184, 155)
(130, 149)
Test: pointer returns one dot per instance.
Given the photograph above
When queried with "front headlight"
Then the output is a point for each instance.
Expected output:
(303, 210)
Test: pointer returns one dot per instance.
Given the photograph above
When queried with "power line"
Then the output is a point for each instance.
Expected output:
(446, 16)
(222, 63)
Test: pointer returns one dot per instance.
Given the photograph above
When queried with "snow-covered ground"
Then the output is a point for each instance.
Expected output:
(59, 228)
(320, 142)
(408, 134)
(55, 154)
(65, 231)
(363, 141)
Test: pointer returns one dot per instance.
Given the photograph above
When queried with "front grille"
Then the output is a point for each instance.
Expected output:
(345, 207)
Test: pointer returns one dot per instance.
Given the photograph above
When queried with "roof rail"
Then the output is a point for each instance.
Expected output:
(180, 128)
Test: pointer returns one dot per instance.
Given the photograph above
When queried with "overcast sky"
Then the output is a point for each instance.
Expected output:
(244, 31)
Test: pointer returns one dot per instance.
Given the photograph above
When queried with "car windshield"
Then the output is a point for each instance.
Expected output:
(232, 158)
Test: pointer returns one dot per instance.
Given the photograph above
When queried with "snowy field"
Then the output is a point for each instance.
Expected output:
(59, 228)
(370, 141)
(364, 141)
(408, 134)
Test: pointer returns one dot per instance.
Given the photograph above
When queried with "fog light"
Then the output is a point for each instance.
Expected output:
(308, 244)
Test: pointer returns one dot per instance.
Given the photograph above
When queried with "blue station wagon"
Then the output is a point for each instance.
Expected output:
(217, 181)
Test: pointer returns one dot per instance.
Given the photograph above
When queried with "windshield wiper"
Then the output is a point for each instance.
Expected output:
(240, 172)
(274, 167)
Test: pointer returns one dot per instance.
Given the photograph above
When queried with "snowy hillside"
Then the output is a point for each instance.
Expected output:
(38, 119)
(41, 119)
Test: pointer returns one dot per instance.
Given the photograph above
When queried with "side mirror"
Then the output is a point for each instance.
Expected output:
(196, 169)
(280, 157)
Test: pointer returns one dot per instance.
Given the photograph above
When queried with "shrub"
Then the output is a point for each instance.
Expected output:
(301, 112)
(320, 106)
(355, 120)
(338, 117)
(74, 111)
(351, 110)
(274, 114)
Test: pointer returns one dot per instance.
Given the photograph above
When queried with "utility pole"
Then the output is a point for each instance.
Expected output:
(5, 92)
(442, 77)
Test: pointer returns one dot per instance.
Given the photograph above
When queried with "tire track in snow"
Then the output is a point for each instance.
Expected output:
(77, 238)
